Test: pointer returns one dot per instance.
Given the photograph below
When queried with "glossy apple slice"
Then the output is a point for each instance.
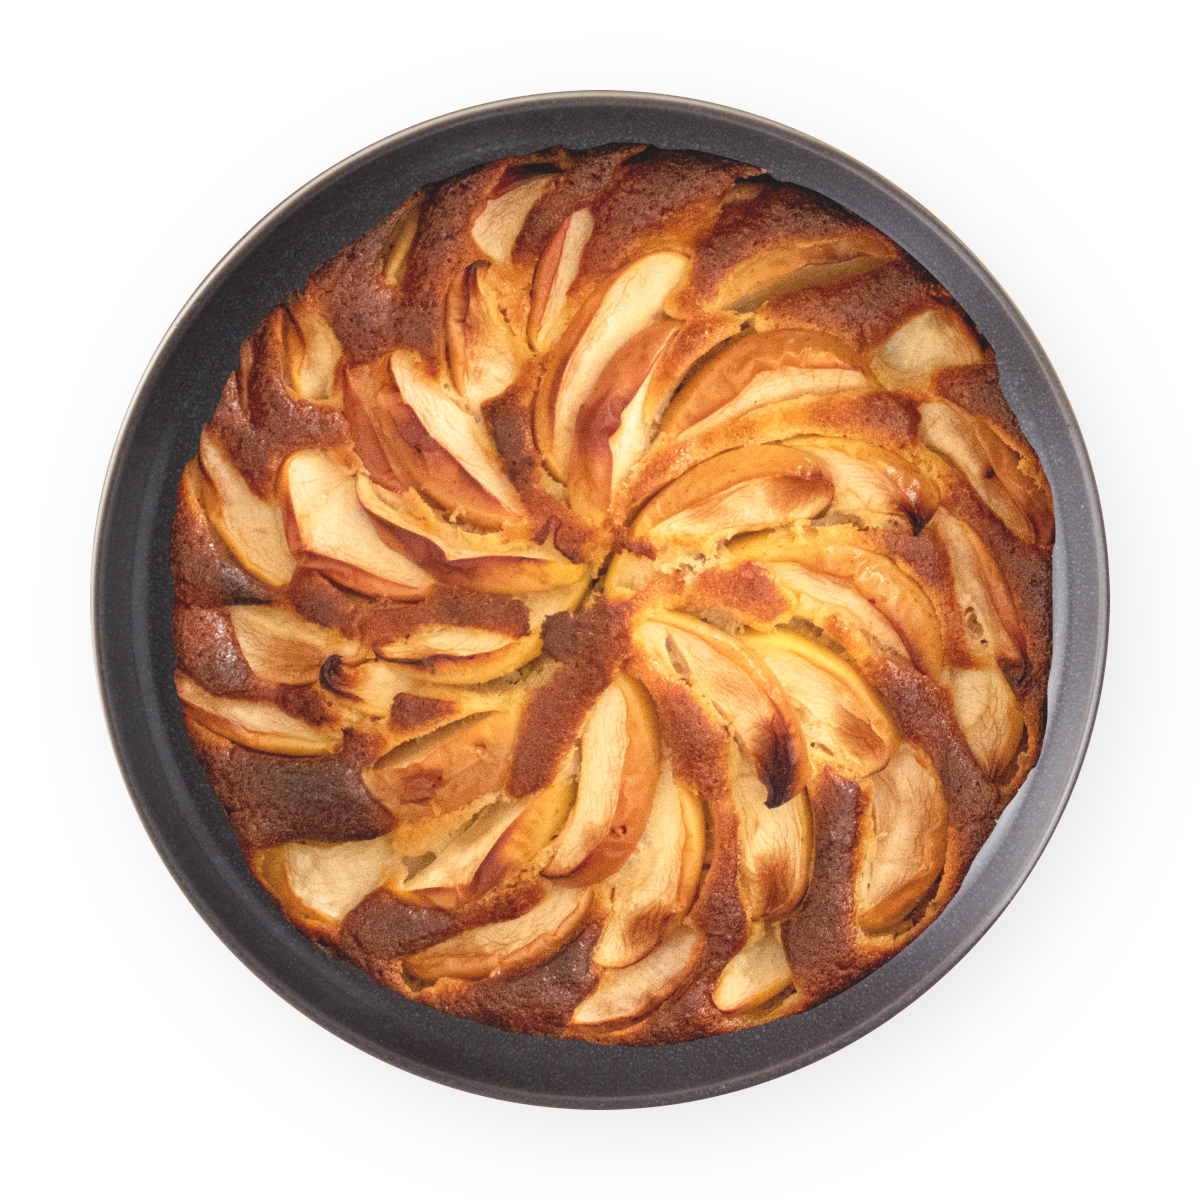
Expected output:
(281, 647)
(448, 769)
(497, 228)
(774, 846)
(487, 562)
(904, 841)
(845, 724)
(507, 946)
(313, 353)
(556, 271)
(989, 615)
(252, 724)
(868, 479)
(755, 974)
(457, 641)
(742, 690)
(620, 310)
(838, 610)
(759, 369)
(613, 426)
(332, 879)
(754, 487)
(1009, 485)
(618, 779)
(627, 992)
(461, 434)
(252, 528)
(480, 346)
(330, 531)
(879, 580)
(659, 880)
(927, 343)
(988, 715)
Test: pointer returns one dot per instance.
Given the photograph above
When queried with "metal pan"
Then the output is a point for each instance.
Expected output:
(133, 597)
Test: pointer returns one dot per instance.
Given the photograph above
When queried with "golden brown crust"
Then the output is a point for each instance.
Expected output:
(614, 598)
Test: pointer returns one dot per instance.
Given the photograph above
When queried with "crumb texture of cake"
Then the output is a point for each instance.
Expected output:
(613, 598)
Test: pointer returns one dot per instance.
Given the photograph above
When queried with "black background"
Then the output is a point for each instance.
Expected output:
(1021, 1011)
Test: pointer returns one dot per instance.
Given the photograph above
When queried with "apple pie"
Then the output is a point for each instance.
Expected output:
(613, 598)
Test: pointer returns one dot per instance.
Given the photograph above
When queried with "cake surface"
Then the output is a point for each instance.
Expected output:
(613, 598)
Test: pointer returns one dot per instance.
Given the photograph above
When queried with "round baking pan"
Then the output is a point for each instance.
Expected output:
(133, 596)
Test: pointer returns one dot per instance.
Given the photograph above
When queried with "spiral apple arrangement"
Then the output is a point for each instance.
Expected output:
(613, 599)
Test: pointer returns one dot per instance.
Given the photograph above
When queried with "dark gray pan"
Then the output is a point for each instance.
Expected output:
(133, 597)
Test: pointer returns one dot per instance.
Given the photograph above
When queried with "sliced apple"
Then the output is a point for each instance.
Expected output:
(612, 427)
(253, 724)
(404, 235)
(774, 846)
(629, 303)
(313, 353)
(461, 434)
(904, 841)
(742, 690)
(656, 884)
(332, 879)
(332, 533)
(497, 228)
(618, 779)
(627, 992)
(480, 346)
(457, 641)
(448, 769)
(252, 528)
(868, 479)
(552, 280)
(838, 610)
(759, 369)
(488, 562)
(507, 946)
(994, 470)
(989, 616)
(755, 974)
(988, 715)
(376, 684)
(754, 487)
(281, 647)
(845, 724)
(879, 580)
(923, 345)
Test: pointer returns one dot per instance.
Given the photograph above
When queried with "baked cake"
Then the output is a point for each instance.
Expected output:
(613, 598)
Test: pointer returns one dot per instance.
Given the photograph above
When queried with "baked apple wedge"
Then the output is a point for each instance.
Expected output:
(743, 691)
(923, 345)
(621, 310)
(552, 280)
(497, 840)
(497, 228)
(252, 528)
(486, 562)
(313, 353)
(618, 779)
(904, 841)
(480, 346)
(988, 714)
(330, 532)
(1014, 490)
(507, 946)
(845, 725)
(756, 973)
(627, 992)
(753, 488)
(331, 880)
(252, 724)
(281, 647)
(613, 425)
(760, 369)
(658, 882)
(448, 769)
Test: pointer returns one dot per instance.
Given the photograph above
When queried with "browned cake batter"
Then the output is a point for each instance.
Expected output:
(614, 597)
